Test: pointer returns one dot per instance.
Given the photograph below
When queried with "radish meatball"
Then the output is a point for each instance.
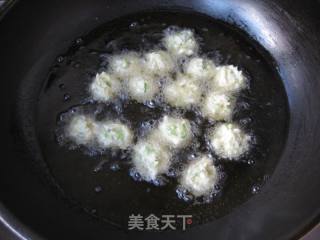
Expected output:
(228, 79)
(150, 159)
(200, 68)
(125, 64)
(175, 132)
(158, 63)
(183, 92)
(142, 87)
(114, 135)
(200, 176)
(180, 43)
(81, 129)
(228, 140)
(105, 87)
(218, 106)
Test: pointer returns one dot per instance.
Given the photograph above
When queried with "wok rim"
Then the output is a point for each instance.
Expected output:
(19, 230)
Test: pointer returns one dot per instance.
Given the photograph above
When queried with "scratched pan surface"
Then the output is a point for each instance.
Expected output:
(55, 192)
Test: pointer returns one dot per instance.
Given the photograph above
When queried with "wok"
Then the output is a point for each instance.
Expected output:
(35, 193)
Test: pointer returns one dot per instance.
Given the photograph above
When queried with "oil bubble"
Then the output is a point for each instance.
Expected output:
(66, 97)
(98, 189)
(60, 59)
(115, 167)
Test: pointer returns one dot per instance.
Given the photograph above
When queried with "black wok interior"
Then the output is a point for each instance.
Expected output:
(104, 191)
(41, 199)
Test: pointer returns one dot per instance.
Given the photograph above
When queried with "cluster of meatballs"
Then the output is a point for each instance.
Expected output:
(182, 78)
